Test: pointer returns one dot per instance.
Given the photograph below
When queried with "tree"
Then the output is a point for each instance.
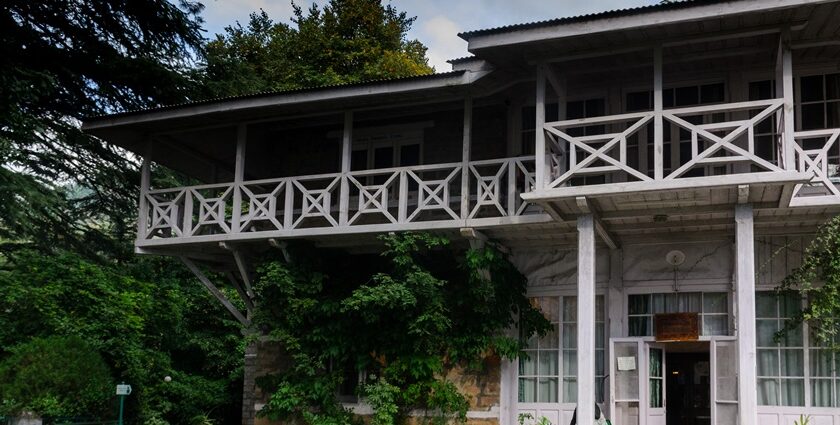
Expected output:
(406, 318)
(65, 60)
(817, 279)
(345, 42)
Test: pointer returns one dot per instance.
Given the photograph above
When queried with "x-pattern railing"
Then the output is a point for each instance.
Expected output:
(607, 144)
(399, 195)
(816, 162)
(734, 129)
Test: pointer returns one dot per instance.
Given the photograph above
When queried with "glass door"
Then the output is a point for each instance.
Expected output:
(724, 380)
(626, 377)
(655, 385)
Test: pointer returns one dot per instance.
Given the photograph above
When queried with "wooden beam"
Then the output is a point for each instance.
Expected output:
(784, 89)
(600, 228)
(249, 303)
(346, 155)
(238, 177)
(539, 134)
(745, 321)
(145, 183)
(283, 246)
(586, 317)
(466, 146)
(215, 291)
(658, 124)
(743, 193)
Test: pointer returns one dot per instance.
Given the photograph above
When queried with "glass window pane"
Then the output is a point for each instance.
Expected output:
(832, 86)
(711, 93)
(569, 390)
(812, 116)
(657, 301)
(821, 364)
(527, 390)
(551, 338)
(599, 335)
(569, 309)
(812, 88)
(821, 393)
(792, 362)
(409, 155)
(655, 393)
(689, 302)
(640, 326)
(550, 307)
(655, 363)
(715, 302)
(599, 309)
(765, 305)
(547, 390)
(768, 362)
(570, 335)
(793, 392)
(599, 363)
(639, 304)
(715, 325)
(768, 392)
(765, 331)
(569, 363)
(528, 363)
(548, 363)
(793, 337)
(686, 96)
(832, 114)
(790, 305)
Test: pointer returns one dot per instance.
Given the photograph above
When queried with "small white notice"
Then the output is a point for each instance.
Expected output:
(123, 389)
(626, 363)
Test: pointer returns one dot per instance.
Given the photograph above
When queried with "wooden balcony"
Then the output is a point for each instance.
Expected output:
(726, 161)
(438, 196)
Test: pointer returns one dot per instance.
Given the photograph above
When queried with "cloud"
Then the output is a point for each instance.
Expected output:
(220, 13)
(440, 35)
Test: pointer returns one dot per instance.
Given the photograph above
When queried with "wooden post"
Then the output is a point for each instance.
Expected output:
(539, 133)
(784, 89)
(745, 299)
(658, 125)
(586, 319)
(238, 177)
(346, 154)
(145, 183)
(465, 158)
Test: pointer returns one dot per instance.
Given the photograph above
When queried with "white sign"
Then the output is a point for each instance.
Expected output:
(626, 363)
(123, 389)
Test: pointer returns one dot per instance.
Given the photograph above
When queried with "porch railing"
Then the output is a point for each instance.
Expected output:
(817, 152)
(422, 196)
(723, 137)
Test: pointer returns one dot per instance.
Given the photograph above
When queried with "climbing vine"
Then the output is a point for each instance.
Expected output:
(818, 280)
(404, 319)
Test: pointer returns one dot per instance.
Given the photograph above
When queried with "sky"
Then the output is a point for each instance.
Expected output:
(438, 21)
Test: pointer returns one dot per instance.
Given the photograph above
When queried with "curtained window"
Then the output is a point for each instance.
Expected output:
(781, 364)
(548, 367)
(713, 308)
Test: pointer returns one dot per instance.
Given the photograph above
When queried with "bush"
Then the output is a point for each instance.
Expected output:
(55, 376)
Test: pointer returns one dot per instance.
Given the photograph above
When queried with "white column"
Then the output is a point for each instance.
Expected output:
(238, 176)
(784, 89)
(465, 158)
(346, 151)
(745, 298)
(586, 320)
(658, 133)
(145, 183)
(539, 133)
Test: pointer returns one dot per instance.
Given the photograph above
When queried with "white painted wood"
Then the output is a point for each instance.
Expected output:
(539, 136)
(238, 177)
(145, 183)
(466, 146)
(215, 291)
(745, 299)
(586, 318)
(346, 155)
(658, 125)
(784, 84)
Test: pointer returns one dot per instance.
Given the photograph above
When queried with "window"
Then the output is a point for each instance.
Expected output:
(386, 150)
(765, 131)
(548, 367)
(713, 308)
(781, 365)
(656, 377)
(819, 102)
(529, 122)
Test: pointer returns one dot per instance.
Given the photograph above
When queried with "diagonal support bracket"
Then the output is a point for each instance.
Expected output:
(215, 291)
(603, 232)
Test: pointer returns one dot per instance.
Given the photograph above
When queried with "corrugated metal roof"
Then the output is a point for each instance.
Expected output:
(671, 5)
(302, 90)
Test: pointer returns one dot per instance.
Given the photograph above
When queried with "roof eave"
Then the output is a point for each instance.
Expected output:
(456, 78)
(632, 19)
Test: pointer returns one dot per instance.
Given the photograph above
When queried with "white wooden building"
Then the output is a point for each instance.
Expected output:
(674, 158)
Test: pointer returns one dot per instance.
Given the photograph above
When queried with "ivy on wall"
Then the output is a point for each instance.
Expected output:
(403, 318)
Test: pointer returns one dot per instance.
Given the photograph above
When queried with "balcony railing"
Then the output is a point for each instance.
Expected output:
(452, 195)
(721, 136)
(817, 152)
